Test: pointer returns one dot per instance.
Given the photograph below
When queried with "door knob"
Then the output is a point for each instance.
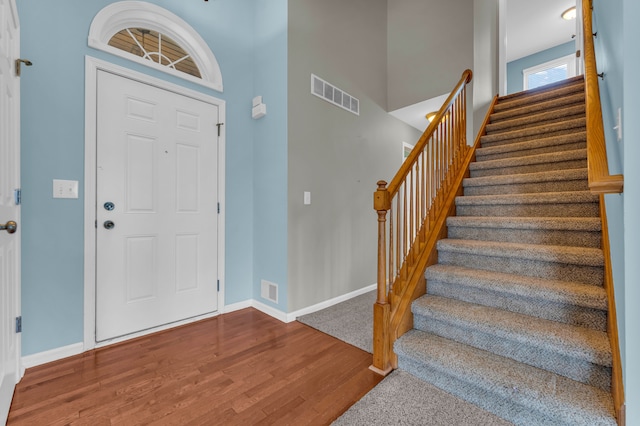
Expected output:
(10, 227)
(109, 224)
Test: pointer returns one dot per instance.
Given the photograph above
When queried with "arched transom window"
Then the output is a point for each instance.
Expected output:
(156, 47)
(155, 37)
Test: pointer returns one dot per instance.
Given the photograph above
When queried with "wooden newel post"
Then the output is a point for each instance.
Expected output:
(381, 309)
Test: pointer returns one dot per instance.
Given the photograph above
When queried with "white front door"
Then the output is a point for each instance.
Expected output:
(157, 201)
(9, 210)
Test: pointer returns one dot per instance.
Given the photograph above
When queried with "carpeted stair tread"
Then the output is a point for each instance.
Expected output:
(565, 231)
(537, 118)
(579, 294)
(554, 300)
(544, 198)
(515, 391)
(570, 255)
(544, 223)
(577, 140)
(539, 106)
(547, 204)
(550, 160)
(532, 132)
(559, 178)
(581, 264)
(575, 342)
(530, 97)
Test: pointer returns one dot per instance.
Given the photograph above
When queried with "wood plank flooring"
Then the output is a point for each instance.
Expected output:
(241, 368)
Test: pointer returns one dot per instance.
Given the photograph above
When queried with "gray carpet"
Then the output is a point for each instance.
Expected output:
(402, 399)
(350, 321)
(415, 402)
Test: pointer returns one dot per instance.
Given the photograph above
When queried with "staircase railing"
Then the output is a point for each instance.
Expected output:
(409, 209)
(600, 181)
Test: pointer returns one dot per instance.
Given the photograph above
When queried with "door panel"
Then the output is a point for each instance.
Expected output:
(157, 163)
(9, 181)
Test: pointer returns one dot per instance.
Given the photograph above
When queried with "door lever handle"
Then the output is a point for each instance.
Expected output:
(10, 227)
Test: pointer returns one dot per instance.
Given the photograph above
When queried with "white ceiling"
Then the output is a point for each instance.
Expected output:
(532, 26)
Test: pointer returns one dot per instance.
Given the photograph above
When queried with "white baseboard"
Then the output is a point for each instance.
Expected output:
(322, 305)
(284, 317)
(52, 355)
(78, 348)
(237, 306)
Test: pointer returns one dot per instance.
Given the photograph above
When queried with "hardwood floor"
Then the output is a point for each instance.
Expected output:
(238, 368)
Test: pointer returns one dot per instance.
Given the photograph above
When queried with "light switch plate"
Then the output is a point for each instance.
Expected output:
(65, 188)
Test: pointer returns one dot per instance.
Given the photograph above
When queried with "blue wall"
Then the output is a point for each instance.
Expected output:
(515, 68)
(631, 137)
(270, 162)
(616, 22)
(53, 148)
(609, 58)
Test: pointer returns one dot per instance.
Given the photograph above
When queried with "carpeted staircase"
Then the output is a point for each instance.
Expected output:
(515, 315)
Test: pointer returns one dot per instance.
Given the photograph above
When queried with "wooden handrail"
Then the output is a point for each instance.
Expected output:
(414, 202)
(600, 181)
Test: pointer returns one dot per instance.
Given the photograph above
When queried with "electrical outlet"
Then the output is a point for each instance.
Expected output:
(65, 188)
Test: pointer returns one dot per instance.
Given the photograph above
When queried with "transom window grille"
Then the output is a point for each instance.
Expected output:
(155, 47)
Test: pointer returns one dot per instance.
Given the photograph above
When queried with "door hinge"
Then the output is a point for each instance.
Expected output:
(218, 285)
(19, 324)
(219, 126)
(218, 208)
(17, 196)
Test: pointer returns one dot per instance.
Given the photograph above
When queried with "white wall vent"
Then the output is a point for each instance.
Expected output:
(332, 94)
(269, 291)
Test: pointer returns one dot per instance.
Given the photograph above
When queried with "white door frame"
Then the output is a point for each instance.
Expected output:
(92, 65)
(11, 368)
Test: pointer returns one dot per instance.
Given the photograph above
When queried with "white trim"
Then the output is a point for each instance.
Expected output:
(138, 14)
(52, 355)
(502, 49)
(406, 145)
(292, 316)
(78, 348)
(92, 65)
(327, 303)
(568, 60)
(238, 306)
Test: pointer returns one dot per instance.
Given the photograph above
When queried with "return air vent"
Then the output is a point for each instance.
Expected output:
(269, 291)
(332, 94)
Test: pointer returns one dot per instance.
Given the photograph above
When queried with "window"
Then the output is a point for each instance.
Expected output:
(550, 72)
(155, 47)
(153, 36)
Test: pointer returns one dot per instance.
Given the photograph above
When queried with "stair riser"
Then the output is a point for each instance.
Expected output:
(545, 358)
(528, 188)
(530, 168)
(533, 151)
(527, 236)
(520, 123)
(531, 210)
(592, 275)
(489, 141)
(560, 312)
(502, 404)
